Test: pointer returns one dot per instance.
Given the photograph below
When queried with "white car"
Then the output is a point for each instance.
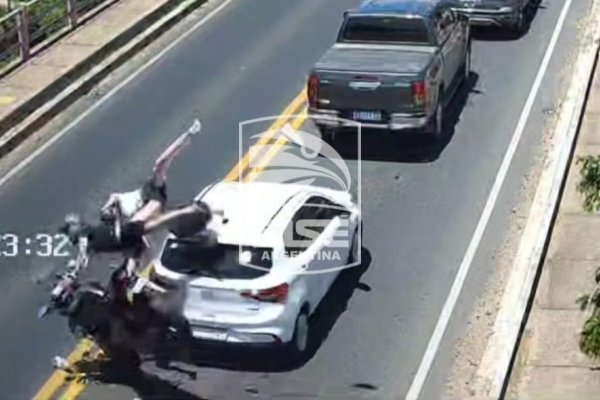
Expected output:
(280, 248)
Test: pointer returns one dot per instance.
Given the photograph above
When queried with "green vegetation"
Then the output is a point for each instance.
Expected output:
(8, 38)
(589, 187)
(589, 340)
(84, 6)
(45, 19)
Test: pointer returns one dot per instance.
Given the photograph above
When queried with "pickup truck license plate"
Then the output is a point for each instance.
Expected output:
(367, 115)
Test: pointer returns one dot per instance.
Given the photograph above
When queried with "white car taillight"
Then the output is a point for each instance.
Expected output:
(277, 294)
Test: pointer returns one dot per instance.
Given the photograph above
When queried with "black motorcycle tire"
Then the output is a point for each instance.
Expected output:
(89, 314)
(111, 337)
(114, 324)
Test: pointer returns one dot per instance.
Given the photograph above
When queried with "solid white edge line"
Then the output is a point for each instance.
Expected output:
(493, 369)
(440, 328)
(25, 162)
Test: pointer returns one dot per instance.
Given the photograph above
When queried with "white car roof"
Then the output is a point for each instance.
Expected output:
(257, 212)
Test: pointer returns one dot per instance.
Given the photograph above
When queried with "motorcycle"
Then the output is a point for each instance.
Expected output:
(117, 317)
(124, 316)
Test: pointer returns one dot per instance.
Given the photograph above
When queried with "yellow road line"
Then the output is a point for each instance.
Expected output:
(58, 378)
(274, 149)
(75, 388)
(238, 171)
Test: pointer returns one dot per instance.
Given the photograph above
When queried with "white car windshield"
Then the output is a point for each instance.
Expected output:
(192, 257)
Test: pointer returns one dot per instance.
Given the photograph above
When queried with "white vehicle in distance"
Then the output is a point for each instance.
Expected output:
(270, 269)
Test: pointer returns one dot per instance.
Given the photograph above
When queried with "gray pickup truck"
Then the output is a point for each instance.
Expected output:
(395, 65)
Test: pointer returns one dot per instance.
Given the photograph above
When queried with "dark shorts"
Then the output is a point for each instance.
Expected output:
(151, 191)
(102, 238)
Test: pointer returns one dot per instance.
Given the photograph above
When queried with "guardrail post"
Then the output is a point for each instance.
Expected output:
(72, 12)
(24, 37)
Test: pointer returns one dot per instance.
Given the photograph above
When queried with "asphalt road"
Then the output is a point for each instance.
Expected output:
(420, 204)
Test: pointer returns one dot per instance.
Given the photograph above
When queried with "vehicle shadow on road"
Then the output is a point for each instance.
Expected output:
(498, 34)
(406, 147)
(333, 305)
(147, 386)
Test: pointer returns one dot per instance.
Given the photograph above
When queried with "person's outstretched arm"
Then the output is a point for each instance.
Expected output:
(148, 211)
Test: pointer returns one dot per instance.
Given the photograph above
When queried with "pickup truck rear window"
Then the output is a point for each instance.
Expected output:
(360, 29)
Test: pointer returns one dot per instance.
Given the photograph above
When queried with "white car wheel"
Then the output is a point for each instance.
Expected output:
(301, 329)
(354, 249)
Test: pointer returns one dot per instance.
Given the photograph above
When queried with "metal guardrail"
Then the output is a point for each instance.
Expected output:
(32, 24)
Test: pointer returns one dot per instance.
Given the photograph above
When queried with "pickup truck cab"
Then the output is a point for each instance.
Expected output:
(395, 65)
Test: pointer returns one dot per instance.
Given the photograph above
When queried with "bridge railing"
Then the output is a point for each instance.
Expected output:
(32, 26)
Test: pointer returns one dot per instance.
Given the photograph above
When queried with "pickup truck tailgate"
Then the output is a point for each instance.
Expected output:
(349, 91)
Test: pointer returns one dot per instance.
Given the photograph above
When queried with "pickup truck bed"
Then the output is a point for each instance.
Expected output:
(381, 59)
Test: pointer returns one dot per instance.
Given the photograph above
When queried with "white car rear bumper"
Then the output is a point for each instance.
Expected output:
(267, 323)
(273, 325)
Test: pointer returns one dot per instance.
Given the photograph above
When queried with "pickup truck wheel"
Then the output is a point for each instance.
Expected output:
(518, 26)
(467, 66)
(436, 126)
(327, 134)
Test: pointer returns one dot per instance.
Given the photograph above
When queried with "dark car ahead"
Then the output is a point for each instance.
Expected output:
(508, 14)
(395, 65)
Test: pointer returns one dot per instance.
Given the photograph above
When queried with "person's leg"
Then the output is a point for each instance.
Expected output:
(139, 257)
(131, 266)
(155, 198)
(152, 209)
(167, 218)
(155, 188)
(131, 240)
(163, 162)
